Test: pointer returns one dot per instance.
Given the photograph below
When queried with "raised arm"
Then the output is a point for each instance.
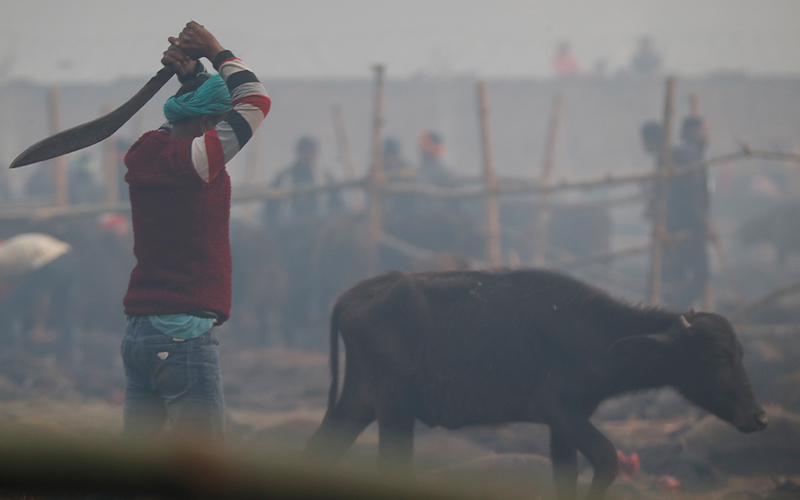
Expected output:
(249, 99)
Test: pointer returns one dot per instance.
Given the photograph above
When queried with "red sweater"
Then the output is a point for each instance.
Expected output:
(180, 204)
(181, 232)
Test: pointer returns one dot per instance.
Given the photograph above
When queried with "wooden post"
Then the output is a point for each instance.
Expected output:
(343, 142)
(251, 175)
(346, 155)
(708, 297)
(59, 163)
(376, 174)
(552, 136)
(694, 104)
(542, 215)
(110, 171)
(708, 291)
(661, 191)
(489, 177)
(253, 162)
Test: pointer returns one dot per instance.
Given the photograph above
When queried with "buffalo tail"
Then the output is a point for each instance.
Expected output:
(334, 359)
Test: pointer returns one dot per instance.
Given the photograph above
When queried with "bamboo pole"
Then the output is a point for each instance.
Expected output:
(708, 291)
(376, 175)
(251, 175)
(784, 329)
(542, 215)
(662, 178)
(582, 260)
(742, 314)
(60, 162)
(523, 186)
(110, 171)
(552, 136)
(253, 162)
(489, 177)
(694, 104)
(346, 154)
(343, 142)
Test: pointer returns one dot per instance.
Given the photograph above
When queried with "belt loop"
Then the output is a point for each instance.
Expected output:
(137, 326)
(130, 327)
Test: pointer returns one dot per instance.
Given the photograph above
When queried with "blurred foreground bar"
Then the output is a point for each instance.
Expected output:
(68, 466)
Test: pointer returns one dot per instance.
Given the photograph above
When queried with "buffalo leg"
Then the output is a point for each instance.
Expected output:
(564, 455)
(396, 434)
(570, 430)
(344, 422)
(597, 449)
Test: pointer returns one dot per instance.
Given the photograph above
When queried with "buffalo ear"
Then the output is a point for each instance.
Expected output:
(643, 349)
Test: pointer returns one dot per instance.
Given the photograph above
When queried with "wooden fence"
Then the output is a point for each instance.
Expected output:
(491, 188)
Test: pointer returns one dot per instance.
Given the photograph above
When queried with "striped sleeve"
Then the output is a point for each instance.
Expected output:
(251, 104)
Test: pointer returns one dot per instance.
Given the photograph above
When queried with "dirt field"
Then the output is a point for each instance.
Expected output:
(276, 398)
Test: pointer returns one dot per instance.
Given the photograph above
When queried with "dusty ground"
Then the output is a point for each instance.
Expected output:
(276, 398)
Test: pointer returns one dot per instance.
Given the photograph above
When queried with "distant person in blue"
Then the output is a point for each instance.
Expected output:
(398, 171)
(646, 61)
(301, 173)
(685, 268)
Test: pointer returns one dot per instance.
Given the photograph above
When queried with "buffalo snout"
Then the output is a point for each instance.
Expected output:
(753, 422)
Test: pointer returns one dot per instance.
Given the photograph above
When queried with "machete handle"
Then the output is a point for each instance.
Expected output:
(89, 133)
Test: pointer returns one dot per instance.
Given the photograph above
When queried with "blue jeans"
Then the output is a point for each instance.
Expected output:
(171, 381)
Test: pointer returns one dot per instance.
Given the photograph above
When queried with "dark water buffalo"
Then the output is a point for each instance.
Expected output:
(489, 347)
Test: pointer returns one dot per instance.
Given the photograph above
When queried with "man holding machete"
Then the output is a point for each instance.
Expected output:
(180, 198)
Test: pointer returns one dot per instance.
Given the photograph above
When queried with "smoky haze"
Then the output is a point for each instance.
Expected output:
(93, 40)
(737, 60)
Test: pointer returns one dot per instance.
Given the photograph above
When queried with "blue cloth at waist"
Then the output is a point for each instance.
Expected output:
(180, 326)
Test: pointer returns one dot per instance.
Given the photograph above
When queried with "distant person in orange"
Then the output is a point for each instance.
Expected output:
(431, 167)
(564, 62)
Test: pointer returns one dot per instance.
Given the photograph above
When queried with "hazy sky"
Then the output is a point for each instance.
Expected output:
(99, 40)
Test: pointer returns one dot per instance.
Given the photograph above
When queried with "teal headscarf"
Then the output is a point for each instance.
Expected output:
(211, 98)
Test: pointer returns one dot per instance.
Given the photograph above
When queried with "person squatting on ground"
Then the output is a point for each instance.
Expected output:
(35, 266)
(180, 195)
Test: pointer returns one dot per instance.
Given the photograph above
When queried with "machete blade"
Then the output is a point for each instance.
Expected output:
(87, 134)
